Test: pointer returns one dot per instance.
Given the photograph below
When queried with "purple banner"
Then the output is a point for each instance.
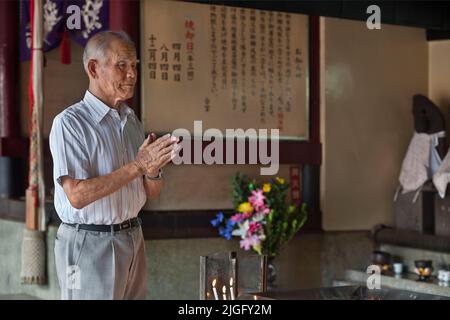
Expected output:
(93, 17)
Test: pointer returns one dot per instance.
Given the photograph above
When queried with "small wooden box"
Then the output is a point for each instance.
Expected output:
(442, 216)
(415, 216)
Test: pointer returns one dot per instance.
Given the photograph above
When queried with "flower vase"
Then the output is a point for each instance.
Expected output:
(271, 273)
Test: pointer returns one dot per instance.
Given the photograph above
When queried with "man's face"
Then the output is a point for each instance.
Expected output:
(118, 71)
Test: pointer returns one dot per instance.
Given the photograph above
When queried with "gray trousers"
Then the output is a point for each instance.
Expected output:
(100, 265)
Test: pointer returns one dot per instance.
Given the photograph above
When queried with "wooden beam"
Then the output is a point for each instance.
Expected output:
(156, 224)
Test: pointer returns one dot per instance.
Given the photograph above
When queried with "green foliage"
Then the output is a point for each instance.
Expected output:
(283, 221)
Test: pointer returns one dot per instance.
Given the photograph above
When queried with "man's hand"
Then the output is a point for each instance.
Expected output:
(154, 153)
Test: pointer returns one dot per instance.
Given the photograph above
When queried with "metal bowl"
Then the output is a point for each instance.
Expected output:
(380, 258)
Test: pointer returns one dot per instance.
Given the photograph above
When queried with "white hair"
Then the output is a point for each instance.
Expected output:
(98, 44)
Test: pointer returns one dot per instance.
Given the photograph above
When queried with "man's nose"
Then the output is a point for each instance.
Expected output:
(131, 73)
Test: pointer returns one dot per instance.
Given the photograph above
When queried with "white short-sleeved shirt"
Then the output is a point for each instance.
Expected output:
(87, 140)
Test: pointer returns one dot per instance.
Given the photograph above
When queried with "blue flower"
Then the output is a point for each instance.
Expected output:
(225, 232)
(218, 220)
(230, 223)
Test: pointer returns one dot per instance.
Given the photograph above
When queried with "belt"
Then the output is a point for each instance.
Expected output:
(131, 223)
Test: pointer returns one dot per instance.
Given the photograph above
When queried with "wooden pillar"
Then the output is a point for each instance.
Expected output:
(311, 172)
(9, 45)
(125, 15)
(11, 145)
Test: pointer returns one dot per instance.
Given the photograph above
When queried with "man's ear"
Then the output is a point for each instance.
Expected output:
(92, 68)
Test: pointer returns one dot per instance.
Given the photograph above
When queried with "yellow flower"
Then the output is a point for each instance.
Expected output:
(267, 187)
(245, 207)
(280, 180)
(257, 248)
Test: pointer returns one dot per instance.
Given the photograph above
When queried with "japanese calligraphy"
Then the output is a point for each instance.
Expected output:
(213, 35)
(152, 64)
(224, 46)
(189, 36)
(243, 59)
(234, 59)
(226, 65)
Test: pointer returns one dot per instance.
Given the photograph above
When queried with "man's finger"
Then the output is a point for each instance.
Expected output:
(158, 141)
(168, 142)
(165, 140)
(166, 159)
(162, 160)
(156, 144)
(161, 143)
(170, 148)
(166, 162)
(164, 137)
(147, 141)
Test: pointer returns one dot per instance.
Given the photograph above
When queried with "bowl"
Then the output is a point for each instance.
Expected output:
(423, 263)
(424, 269)
(380, 258)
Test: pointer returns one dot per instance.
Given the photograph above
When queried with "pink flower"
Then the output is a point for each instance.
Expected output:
(265, 211)
(236, 217)
(246, 215)
(257, 199)
(253, 227)
(245, 243)
(248, 242)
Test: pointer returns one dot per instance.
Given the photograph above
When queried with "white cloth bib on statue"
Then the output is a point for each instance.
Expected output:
(442, 177)
(421, 161)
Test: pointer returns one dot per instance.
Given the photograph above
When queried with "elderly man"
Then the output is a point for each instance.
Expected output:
(104, 171)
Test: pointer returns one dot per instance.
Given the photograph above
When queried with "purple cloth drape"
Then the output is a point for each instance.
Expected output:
(94, 17)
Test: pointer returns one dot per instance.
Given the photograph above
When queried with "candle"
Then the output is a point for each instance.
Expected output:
(231, 289)
(224, 291)
(216, 296)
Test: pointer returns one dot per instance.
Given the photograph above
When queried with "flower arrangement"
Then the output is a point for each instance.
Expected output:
(263, 219)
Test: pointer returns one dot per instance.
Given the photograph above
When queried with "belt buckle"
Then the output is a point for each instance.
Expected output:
(125, 225)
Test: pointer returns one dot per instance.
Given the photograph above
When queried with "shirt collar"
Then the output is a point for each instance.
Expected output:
(125, 110)
(99, 109)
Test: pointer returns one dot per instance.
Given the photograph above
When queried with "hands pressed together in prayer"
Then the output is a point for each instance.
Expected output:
(155, 153)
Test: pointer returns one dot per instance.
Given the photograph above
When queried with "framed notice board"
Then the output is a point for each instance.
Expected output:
(226, 66)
